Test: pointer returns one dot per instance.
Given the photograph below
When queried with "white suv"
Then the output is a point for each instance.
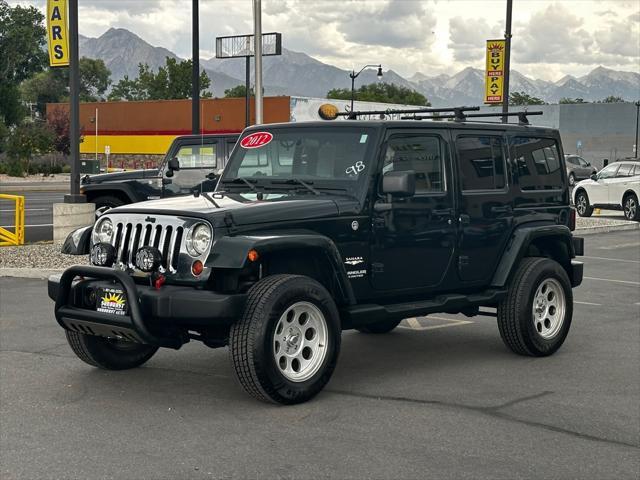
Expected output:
(615, 187)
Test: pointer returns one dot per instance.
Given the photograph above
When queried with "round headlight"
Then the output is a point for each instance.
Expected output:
(199, 239)
(103, 231)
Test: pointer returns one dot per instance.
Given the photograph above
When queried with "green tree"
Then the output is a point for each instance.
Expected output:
(52, 85)
(170, 82)
(22, 53)
(27, 140)
(383, 93)
(567, 100)
(612, 99)
(58, 121)
(4, 135)
(238, 91)
(522, 98)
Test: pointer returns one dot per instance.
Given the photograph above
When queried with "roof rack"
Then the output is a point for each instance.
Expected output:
(458, 112)
(522, 116)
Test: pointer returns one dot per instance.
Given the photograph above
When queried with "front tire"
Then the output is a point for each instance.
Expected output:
(108, 353)
(285, 347)
(535, 316)
(583, 207)
(630, 206)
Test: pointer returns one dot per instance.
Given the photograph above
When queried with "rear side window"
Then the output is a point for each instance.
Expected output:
(537, 163)
(625, 170)
(481, 163)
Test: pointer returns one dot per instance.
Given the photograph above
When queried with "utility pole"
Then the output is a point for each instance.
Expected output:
(195, 73)
(507, 62)
(637, 118)
(257, 40)
(74, 99)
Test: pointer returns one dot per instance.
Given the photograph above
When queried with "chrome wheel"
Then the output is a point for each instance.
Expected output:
(581, 204)
(630, 208)
(300, 341)
(549, 307)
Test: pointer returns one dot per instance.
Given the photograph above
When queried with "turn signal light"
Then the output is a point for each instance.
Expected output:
(253, 255)
(197, 268)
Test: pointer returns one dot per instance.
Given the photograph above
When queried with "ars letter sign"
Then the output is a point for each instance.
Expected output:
(57, 33)
(494, 74)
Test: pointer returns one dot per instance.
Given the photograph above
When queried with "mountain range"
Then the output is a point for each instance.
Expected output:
(298, 74)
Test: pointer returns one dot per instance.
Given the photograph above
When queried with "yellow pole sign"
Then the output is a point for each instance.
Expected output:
(57, 31)
(494, 74)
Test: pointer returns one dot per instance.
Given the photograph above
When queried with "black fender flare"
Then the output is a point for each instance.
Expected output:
(231, 252)
(98, 189)
(78, 242)
(519, 243)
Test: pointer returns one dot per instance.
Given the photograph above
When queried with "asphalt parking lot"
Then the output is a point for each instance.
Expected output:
(439, 398)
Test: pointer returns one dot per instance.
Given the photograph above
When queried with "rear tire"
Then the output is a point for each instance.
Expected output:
(583, 207)
(285, 347)
(381, 327)
(107, 353)
(535, 316)
(630, 207)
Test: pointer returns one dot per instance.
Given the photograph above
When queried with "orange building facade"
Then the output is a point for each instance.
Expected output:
(149, 127)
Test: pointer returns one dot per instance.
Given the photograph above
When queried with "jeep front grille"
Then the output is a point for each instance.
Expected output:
(130, 235)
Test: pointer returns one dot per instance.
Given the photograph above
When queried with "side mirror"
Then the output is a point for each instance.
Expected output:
(588, 164)
(594, 176)
(173, 165)
(399, 184)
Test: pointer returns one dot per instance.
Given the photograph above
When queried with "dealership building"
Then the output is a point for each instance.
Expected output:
(137, 134)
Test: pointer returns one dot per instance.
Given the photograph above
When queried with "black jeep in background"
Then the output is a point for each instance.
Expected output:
(324, 226)
(197, 156)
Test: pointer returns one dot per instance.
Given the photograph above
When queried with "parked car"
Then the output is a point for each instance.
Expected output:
(578, 169)
(319, 227)
(615, 187)
(197, 156)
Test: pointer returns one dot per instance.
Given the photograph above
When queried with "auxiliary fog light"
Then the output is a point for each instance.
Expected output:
(148, 259)
(103, 254)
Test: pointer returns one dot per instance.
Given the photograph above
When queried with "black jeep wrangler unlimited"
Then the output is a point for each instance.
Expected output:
(185, 166)
(319, 227)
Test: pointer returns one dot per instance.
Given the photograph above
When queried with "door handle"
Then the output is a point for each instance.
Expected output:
(503, 209)
(442, 212)
(464, 219)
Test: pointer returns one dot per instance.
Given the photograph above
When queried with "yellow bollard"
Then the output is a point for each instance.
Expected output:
(17, 236)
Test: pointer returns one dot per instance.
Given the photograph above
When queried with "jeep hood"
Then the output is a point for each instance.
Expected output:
(120, 176)
(243, 210)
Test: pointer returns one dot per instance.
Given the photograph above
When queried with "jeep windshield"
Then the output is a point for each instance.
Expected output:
(312, 160)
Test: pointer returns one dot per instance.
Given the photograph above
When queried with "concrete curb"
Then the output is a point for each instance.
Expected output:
(34, 187)
(36, 273)
(607, 228)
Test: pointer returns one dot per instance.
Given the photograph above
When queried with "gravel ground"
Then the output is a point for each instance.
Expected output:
(60, 177)
(42, 256)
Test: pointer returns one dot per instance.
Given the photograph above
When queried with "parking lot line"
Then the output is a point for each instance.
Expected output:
(414, 323)
(588, 303)
(613, 259)
(612, 280)
(620, 245)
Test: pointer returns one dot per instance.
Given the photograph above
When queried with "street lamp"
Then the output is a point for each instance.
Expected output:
(637, 117)
(354, 75)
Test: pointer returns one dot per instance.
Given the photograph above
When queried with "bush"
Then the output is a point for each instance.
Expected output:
(56, 169)
(66, 169)
(15, 168)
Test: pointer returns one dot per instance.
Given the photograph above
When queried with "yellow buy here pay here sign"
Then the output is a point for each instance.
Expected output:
(494, 73)
(57, 33)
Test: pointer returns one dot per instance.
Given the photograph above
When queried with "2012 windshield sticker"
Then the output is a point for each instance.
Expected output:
(355, 169)
(256, 140)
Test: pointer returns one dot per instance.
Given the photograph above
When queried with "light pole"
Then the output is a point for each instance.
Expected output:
(637, 117)
(354, 75)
